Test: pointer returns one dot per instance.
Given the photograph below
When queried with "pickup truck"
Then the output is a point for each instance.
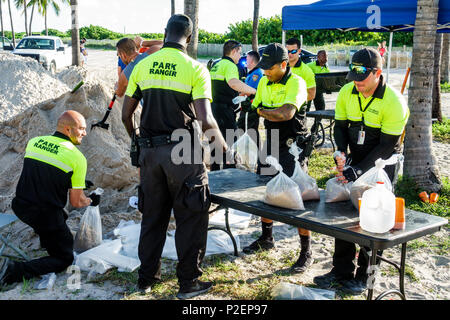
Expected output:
(49, 51)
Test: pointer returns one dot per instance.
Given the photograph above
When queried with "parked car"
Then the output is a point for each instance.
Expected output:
(305, 55)
(6, 44)
(49, 51)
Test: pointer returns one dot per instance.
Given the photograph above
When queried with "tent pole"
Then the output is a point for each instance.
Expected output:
(283, 38)
(391, 35)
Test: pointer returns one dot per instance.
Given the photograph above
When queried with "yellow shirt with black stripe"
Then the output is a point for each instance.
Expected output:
(388, 113)
(221, 73)
(305, 72)
(290, 90)
(317, 68)
(52, 166)
(168, 81)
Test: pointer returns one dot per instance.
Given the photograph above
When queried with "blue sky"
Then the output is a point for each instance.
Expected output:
(134, 16)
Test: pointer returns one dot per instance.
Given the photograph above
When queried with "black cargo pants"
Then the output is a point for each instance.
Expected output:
(55, 236)
(184, 188)
(344, 252)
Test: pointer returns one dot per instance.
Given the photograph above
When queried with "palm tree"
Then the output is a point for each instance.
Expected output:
(1, 22)
(191, 10)
(445, 58)
(12, 25)
(172, 6)
(75, 34)
(43, 9)
(19, 4)
(420, 164)
(32, 4)
(436, 110)
(255, 25)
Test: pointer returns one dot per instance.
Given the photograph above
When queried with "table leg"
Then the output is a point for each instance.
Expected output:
(373, 262)
(227, 230)
(331, 135)
(402, 269)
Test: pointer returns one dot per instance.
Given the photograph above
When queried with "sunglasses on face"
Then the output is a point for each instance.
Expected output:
(293, 51)
(360, 69)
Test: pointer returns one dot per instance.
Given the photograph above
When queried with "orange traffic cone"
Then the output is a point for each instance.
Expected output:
(434, 197)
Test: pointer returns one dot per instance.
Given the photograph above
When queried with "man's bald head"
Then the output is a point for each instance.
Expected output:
(72, 124)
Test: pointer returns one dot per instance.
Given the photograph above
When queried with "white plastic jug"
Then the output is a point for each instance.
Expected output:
(377, 212)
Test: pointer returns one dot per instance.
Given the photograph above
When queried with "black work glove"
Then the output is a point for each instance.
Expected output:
(95, 199)
(88, 184)
(352, 173)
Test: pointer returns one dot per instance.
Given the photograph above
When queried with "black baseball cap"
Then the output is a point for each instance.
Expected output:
(273, 53)
(367, 57)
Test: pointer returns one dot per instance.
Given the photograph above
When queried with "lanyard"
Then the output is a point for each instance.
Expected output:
(360, 108)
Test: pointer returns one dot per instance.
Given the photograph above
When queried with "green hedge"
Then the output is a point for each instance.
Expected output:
(269, 31)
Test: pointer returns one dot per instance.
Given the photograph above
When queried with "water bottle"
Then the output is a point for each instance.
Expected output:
(377, 213)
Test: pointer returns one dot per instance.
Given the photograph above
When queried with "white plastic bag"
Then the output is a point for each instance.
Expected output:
(308, 185)
(289, 291)
(47, 282)
(336, 191)
(246, 147)
(282, 191)
(372, 176)
(106, 256)
(89, 235)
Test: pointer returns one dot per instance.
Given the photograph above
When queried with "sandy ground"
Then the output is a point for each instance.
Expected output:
(429, 268)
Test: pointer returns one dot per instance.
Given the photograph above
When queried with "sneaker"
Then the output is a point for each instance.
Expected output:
(144, 286)
(260, 244)
(354, 286)
(198, 287)
(331, 279)
(303, 262)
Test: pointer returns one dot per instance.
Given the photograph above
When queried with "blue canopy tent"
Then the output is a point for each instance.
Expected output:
(360, 15)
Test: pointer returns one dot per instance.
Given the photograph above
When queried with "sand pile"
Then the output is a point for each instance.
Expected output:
(106, 151)
(24, 83)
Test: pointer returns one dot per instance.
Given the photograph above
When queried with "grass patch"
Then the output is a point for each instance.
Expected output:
(445, 87)
(320, 164)
(441, 131)
(407, 188)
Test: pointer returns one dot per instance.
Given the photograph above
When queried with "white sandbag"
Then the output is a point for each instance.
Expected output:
(89, 235)
(376, 174)
(236, 219)
(308, 185)
(281, 191)
(106, 256)
(336, 191)
(246, 147)
(290, 291)
(217, 242)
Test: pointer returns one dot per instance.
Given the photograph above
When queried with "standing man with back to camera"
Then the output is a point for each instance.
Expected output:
(176, 90)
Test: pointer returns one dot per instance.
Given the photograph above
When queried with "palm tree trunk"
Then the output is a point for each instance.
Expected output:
(1, 22)
(445, 72)
(172, 6)
(26, 16)
(420, 164)
(75, 34)
(191, 10)
(12, 25)
(436, 112)
(31, 19)
(255, 25)
(46, 27)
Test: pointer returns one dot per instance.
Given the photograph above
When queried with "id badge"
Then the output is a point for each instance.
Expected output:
(361, 137)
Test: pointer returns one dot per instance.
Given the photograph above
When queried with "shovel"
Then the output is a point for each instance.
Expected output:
(102, 123)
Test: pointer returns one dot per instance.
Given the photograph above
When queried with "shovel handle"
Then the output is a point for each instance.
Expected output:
(112, 102)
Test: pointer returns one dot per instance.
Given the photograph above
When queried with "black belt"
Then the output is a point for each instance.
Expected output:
(156, 141)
